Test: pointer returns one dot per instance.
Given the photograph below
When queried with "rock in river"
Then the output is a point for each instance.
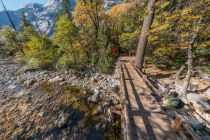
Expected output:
(63, 120)
(94, 98)
(55, 79)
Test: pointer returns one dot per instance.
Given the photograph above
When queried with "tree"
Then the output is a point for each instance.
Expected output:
(65, 34)
(144, 34)
(88, 15)
(190, 55)
(171, 33)
(66, 9)
(40, 52)
(23, 21)
(10, 37)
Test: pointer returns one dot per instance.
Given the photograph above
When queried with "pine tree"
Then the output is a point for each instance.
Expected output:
(23, 21)
(65, 35)
(66, 8)
(144, 34)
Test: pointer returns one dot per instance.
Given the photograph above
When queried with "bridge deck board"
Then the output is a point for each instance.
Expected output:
(145, 125)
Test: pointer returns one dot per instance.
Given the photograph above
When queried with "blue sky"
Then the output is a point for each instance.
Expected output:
(16, 4)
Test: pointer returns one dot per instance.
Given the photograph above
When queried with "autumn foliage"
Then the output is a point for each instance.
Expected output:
(87, 35)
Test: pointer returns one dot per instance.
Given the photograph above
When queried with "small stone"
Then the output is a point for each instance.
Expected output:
(94, 98)
(94, 79)
(30, 82)
(64, 138)
(21, 123)
(95, 91)
(110, 118)
(63, 121)
(100, 109)
(42, 114)
(115, 88)
(98, 125)
(85, 92)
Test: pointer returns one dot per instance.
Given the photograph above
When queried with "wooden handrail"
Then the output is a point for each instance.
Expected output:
(144, 77)
(125, 111)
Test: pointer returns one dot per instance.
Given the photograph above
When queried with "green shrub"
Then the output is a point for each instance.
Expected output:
(104, 65)
(41, 53)
(203, 68)
(106, 60)
(19, 58)
(95, 59)
(65, 62)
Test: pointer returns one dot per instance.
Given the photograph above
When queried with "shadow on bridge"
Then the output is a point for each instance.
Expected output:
(140, 112)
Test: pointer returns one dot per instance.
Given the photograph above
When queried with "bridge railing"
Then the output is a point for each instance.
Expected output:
(125, 117)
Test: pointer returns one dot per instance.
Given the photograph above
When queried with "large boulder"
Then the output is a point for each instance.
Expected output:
(199, 101)
(193, 87)
(208, 92)
(205, 76)
(179, 86)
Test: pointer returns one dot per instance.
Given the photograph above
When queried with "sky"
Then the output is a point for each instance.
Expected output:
(16, 4)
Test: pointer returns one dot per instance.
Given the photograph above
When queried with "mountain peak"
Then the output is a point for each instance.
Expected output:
(52, 2)
(31, 5)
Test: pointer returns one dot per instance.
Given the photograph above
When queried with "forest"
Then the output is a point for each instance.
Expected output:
(87, 34)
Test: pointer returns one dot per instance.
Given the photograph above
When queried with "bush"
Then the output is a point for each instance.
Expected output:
(104, 65)
(40, 53)
(65, 62)
(19, 57)
(95, 59)
(105, 60)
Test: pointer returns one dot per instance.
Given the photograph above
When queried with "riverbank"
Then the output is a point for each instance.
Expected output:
(44, 104)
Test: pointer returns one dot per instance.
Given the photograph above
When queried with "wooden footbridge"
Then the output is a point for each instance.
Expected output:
(137, 121)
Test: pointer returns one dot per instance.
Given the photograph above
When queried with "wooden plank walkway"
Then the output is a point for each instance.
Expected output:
(143, 124)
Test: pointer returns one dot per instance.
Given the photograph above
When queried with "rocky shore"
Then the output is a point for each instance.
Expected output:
(49, 104)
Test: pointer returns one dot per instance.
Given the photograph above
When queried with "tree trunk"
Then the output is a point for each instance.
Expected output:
(178, 73)
(190, 58)
(144, 34)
